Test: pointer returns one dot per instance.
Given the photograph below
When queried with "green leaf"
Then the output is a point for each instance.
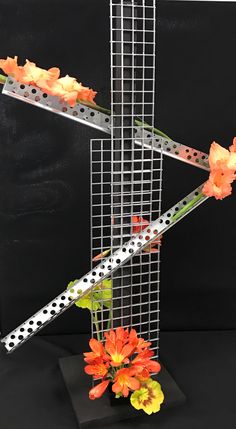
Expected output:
(94, 300)
(105, 293)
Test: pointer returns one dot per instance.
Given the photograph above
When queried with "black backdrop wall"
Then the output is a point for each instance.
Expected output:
(44, 159)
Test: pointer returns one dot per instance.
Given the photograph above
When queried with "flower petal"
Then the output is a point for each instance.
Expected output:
(98, 390)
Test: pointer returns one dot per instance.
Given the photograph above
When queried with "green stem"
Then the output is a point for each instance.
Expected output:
(96, 323)
(109, 321)
(152, 129)
(94, 106)
(188, 206)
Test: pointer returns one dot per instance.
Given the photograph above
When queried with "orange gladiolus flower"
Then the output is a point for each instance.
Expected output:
(139, 224)
(66, 88)
(124, 381)
(223, 166)
(34, 75)
(11, 68)
(97, 391)
(219, 184)
(69, 90)
(97, 352)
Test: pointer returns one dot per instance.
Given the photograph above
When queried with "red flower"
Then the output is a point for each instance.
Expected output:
(139, 224)
(124, 381)
(97, 391)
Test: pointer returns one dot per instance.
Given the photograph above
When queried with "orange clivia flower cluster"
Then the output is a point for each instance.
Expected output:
(123, 360)
(139, 224)
(66, 88)
(222, 171)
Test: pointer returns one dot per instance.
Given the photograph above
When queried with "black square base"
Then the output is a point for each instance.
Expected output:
(100, 411)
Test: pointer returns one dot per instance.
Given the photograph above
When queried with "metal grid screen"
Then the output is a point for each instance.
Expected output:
(126, 179)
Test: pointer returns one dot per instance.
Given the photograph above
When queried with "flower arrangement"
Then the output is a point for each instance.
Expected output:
(124, 361)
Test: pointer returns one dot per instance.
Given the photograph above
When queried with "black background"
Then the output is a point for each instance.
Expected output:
(44, 208)
(44, 159)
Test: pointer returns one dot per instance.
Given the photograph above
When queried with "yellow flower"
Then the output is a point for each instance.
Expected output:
(148, 398)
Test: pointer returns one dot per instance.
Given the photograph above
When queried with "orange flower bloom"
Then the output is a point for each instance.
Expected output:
(125, 361)
(97, 352)
(66, 88)
(144, 365)
(98, 369)
(219, 184)
(223, 166)
(97, 391)
(119, 334)
(119, 352)
(139, 343)
(142, 224)
(34, 75)
(124, 381)
(10, 67)
(221, 158)
(118, 347)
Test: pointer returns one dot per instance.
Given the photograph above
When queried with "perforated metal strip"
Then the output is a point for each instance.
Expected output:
(93, 118)
(63, 301)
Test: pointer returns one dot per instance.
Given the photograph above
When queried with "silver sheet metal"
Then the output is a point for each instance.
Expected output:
(101, 121)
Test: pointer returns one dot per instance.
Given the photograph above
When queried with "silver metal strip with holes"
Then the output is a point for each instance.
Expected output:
(108, 266)
(93, 118)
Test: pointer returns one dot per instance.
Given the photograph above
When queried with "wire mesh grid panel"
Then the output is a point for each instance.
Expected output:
(135, 302)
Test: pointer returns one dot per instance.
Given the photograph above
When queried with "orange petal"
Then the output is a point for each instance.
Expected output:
(127, 350)
(116, 388)
(110, 347)
(217, 154)
(233, 147)
(133, 383)
(96, 346)
(154, 366)
(97, 391)
(101, 255)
